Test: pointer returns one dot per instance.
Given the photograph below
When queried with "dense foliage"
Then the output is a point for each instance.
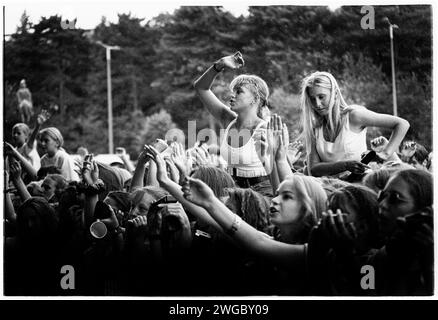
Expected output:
(152, 75)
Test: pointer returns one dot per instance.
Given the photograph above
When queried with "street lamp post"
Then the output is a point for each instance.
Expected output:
(110, 100)
(394, 90)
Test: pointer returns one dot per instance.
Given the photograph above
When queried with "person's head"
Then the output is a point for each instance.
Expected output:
(36, 221)
(216, 178)
(300, 201)
(51, 140)
(20, 134)
(141, 200)
(321, 102)
(414, 154)
(53, 184)
(330, 185)
(35, 189)
(23, 83)
(361, 206)
(406, 192)
(250, 205)
(120, 202)
(249, 91)
(377, 179)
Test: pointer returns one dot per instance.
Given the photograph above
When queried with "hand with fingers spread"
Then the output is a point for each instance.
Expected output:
(294, 152)
(198, 192)
(43, 117)
(179, 157)
(202, 157)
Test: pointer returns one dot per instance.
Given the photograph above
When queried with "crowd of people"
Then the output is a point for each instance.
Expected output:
(255, 215)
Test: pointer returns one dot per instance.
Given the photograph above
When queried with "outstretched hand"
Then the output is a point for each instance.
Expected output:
(43, 117)
(198, 192)
(179, 157)
(294, 152)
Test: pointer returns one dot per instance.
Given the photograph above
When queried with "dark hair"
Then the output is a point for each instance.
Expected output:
(420, 184)
(60, 181)
(252, 206)
(44, 171)
(363, 201)
(420, 153)
(216, 178)
(45, 213)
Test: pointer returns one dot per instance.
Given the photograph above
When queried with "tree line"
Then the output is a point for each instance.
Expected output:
(153, 73)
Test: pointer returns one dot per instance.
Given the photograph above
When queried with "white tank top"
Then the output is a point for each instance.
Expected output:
(348, 145)
(244, 159)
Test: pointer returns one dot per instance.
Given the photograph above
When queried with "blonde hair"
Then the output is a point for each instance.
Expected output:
(311, 194)
(310, 120)
(257, 86)
(23, 126)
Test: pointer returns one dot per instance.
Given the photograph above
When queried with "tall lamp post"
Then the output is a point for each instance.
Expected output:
(110, 100)
(394, 90)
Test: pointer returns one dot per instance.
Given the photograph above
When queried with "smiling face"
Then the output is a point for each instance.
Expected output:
(320, 98)
(242, 98)
(49, 145)
(286, 208)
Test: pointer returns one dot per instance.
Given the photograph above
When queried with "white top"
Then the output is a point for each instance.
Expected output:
(348, 145)
(32, 156)
(62, 161)
(243, 159)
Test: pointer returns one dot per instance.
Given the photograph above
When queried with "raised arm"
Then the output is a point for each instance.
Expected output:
(15, 171)
(42, 117)
(25, 164)
(362, 118)
(175, 190)
(203, 87)
(279, 253)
